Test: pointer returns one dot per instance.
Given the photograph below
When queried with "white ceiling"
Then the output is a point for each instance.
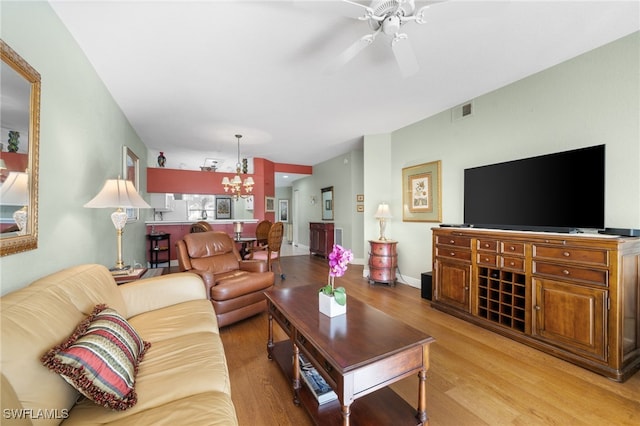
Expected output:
(189, 75)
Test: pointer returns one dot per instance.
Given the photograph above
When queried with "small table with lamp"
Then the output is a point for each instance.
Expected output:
(383, 257)
(383, 260)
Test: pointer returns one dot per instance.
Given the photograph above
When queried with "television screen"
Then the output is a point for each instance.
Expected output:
(556, 192)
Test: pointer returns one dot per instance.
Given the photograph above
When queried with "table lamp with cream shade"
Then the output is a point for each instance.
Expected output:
(118, 194)
(15, 192)
(382, 214)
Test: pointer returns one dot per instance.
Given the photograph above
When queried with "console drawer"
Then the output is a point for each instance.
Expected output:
(452, 253)
(487, 259)
(488, 245)
(569, 254)
(382, 261)
(512, 248)
(318, 360)
(566, 272)
(454, 240)
(383, 249)
(281, 319)
(512, 263)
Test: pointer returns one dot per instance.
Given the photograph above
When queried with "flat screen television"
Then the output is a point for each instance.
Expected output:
(560, 192)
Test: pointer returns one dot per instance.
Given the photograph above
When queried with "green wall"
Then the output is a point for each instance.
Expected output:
(589, 100)
(82, 131)
(345, 174)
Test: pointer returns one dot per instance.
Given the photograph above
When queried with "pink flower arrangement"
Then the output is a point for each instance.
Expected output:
(339, 258)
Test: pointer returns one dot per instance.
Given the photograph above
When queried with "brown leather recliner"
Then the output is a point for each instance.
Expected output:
(234, 286)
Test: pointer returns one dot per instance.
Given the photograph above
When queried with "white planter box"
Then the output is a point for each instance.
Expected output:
(329, 306)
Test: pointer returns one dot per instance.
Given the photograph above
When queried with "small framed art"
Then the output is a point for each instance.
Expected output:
(421, 193)
(283, 210)
(131, 171)
(223, 207)
(269, 204)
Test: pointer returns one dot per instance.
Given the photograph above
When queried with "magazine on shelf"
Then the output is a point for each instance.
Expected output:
(315, 382)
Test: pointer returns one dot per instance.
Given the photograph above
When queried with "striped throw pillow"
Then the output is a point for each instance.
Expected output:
(100, 359)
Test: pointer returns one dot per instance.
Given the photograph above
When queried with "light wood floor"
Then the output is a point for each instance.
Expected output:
(476, 377)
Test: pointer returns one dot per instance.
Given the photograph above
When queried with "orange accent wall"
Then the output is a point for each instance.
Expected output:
(15, 161)
(292, 168)
(265, 169)
(179, 181)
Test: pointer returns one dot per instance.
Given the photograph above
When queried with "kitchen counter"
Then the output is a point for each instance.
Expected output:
(177, 229)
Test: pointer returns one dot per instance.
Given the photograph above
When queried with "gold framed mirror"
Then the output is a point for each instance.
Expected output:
(19, 145)
(327, 203)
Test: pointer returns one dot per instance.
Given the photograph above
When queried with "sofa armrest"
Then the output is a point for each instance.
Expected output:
(208, 279)
(253, 266)
(159, 292)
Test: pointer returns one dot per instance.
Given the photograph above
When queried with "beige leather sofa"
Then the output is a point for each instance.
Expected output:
(182, 379)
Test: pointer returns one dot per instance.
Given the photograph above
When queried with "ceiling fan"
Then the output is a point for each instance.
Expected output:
(387, 17)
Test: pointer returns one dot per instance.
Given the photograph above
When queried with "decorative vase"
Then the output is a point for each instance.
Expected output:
(14, 141)
(161, 159)
(329, 307)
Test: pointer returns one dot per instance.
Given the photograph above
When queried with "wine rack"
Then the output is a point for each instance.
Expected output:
(501, 297)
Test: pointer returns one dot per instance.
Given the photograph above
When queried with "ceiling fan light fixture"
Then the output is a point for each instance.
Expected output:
(391, 25)
(386, 16)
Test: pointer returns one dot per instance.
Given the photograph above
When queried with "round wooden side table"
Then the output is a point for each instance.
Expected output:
(383, 260)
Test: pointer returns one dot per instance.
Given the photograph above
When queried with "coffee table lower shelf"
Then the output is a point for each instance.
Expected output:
(382, 407)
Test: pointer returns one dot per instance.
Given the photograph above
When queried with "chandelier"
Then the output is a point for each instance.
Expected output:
(236, 186)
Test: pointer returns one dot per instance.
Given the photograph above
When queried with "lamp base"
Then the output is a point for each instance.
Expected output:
(20, 218)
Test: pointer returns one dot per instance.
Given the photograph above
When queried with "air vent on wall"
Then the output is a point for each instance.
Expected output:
(462, 111)
(337, 236)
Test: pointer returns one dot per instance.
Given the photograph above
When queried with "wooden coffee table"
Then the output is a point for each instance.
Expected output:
(359, 354)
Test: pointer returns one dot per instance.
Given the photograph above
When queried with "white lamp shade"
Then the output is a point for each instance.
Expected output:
(15, 189)
(249, 181)
(118, 193)
(225, 181)
(383, 211)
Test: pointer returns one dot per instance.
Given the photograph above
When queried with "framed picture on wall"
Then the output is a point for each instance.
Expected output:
(283, 210)
(421, 193)
(223, 208)
(269, 204)
(131, 171)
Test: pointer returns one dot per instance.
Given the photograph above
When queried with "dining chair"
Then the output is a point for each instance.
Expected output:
(271, 252)
(201, 226)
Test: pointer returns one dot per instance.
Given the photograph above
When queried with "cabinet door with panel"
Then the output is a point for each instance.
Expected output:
(452, 289)
(452, 268)
(321, 238)
(572, 317)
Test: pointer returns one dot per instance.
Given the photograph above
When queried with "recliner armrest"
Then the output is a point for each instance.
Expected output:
(253, 266)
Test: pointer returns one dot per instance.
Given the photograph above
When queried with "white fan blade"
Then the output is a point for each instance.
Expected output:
(367, 10)
(405, 57)
(345, 9)
(350, 52)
